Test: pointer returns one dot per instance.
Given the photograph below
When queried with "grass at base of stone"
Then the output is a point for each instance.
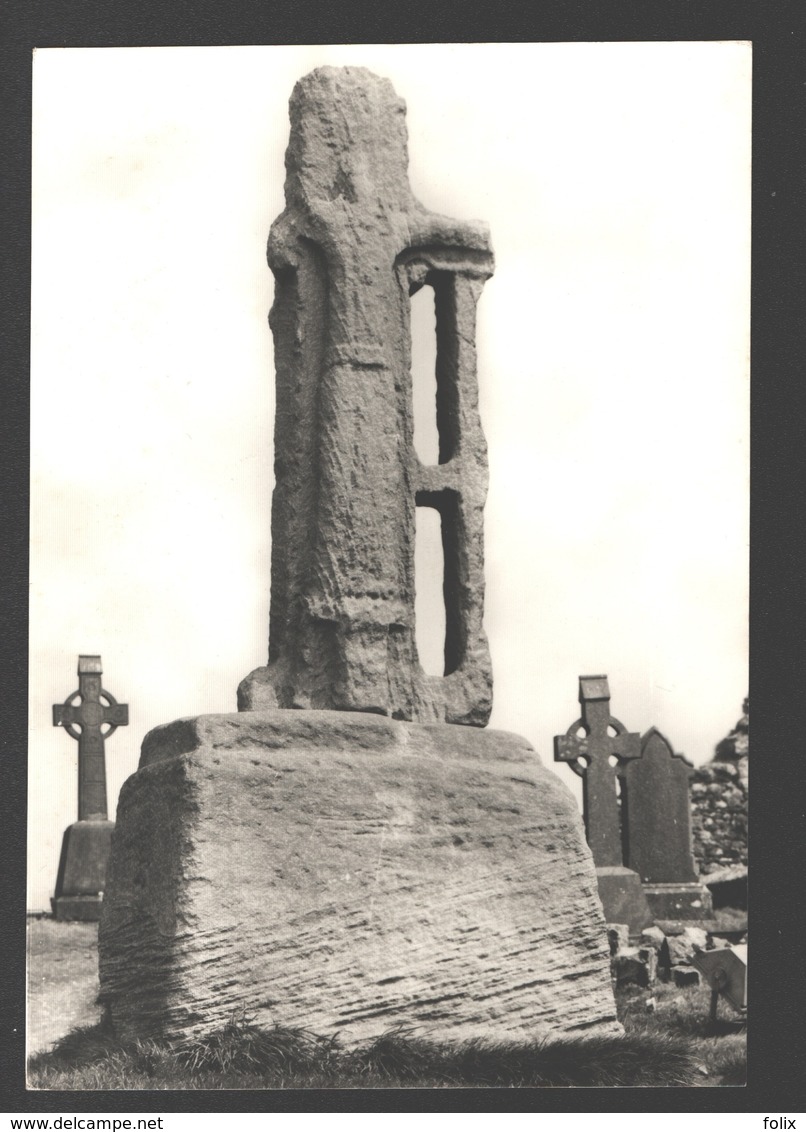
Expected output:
(243, 1056)
(684, 1013)
(63, 988)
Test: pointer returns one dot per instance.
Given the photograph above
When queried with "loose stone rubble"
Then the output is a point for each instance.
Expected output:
(719, 798)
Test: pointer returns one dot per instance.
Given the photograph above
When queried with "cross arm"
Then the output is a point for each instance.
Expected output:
(595, 741)
(65, 715)
(624, 744)
(68, 715)
(569, 748)
(114, 713)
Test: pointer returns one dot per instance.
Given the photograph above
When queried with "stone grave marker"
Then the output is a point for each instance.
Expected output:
(656, 812)
(346, 854)
(596, 746)
(81, 876)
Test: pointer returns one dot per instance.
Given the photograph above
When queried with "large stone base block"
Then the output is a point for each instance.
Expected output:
(623, 898)
(81, 879)
(347, 873)
(678, 901)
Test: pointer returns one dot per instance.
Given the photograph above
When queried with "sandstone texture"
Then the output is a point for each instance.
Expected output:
(345, 872)
(656, 812)
(347, 253)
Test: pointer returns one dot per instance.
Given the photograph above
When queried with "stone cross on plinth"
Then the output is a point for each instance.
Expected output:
(596, 746)
(337, 855)
(86, 843)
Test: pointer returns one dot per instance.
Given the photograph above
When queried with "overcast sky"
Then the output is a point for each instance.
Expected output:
(613, 345)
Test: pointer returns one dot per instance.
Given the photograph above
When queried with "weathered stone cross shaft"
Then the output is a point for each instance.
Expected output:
(347, 253)
(83, 721)
(597, 746)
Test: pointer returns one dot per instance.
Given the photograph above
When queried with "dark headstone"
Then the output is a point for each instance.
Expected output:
(86, 844)
(656, 812)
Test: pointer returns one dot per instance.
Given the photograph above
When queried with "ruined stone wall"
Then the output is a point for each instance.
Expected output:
(719, 815)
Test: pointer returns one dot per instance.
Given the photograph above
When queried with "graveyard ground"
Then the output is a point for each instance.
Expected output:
(667, 1043)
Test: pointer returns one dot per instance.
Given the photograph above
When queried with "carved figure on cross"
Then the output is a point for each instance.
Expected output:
(83, 715)
(595, 746)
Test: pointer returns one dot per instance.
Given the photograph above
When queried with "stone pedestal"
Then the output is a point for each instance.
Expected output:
(678, 901)
(623, 899)
(348, 873)
(81, 879)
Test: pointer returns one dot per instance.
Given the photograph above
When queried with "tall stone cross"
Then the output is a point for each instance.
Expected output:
(351, 247)
(369, 781)
(83, 715)
(597, 738)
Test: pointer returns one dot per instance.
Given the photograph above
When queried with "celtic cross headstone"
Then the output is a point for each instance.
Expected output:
(83, 715)
(85, 847)
(637, 814)
(597, 746)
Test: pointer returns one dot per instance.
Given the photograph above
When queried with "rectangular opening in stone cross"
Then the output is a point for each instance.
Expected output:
(434, 367)
(424, 377)
(429, 581)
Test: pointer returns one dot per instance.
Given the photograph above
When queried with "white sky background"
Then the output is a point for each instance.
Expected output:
(613, 347)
